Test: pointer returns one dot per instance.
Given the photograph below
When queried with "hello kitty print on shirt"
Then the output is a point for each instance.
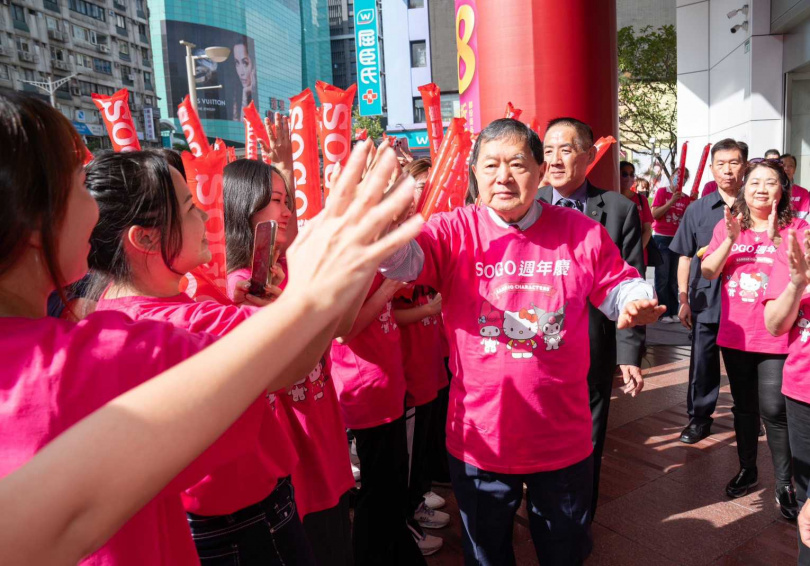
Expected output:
(386, 319)
(298, 390)
(521, 327)
(804, 324)
(749, 287)
(316, 382)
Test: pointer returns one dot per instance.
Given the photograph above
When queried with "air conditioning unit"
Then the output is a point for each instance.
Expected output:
(25, 56)
(4, 52)
(61, 65)
(55, 34)
(131, 77)
(104, 48)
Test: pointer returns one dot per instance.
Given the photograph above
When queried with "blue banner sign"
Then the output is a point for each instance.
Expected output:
(366, 35)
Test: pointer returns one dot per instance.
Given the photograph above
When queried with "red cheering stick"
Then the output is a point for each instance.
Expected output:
(535, 125)
(306, 163)
(361, 134)
(699, 173)
(437, 199)
(453, 130)
(118, 120)
(335, 128)
(257, 126)
(192, 128)
(431, 101)
(602, 145)
(512, 112)
(682, 167)
(461, 173)
(251, 141)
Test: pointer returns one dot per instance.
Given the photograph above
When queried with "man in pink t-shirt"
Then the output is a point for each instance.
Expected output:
(519, 411)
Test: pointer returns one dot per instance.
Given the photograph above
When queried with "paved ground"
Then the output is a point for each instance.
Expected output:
(663, 502)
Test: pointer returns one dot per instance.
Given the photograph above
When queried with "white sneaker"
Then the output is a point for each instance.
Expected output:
(430, 518)
(434, 501)
(356, 472)
(669, 319)
(428, 544)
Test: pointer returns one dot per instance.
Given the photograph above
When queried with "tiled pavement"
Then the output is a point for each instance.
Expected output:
(663, 502)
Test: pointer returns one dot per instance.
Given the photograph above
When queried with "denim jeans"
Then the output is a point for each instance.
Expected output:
(666, 275)
(267, 533)
(558, 505)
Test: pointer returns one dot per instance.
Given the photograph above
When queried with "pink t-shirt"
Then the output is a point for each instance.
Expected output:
(323, 473)
(800, 199)
(368, 372)
(668, 224)
(746, 277)
(421, 351)
(251, 478)
(515, 305)
(56, 372)
(796, 373)
(709, 188)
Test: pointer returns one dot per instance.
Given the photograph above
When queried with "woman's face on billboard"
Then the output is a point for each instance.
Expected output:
(244, 65)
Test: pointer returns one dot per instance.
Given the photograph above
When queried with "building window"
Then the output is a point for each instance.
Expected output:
(87, 9)
(28, 75)
(120, 21)
(101, 66)
(18, 13)
(126, 75)
(123, 47)
(84, 34)
(450, 106)
(418, 54)
(23, 46)
(5, 73)
(418, 111)
(53, 23)
(147, 80)
(84, 61)
(147, 100)
(416, 4)
(57, 54)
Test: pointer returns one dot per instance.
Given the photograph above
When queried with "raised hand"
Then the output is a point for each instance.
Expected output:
(639, 313)
(280, 150)
(798, 259)
(733, 227)
(773, 224)
(334, 257)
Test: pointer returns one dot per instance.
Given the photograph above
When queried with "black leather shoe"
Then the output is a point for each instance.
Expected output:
(786, 498)
(742, 482)
(695, 433)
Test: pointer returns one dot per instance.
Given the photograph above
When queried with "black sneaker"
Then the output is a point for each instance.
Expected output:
(742, 482)
(695, 433)
(786, 498)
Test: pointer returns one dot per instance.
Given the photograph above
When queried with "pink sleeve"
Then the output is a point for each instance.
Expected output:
(437, 245)
(718, 236)
(217, 319)
(646, 212)
(609, 267)
(660, 197)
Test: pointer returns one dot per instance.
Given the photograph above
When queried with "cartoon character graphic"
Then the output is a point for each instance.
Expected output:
(551, 325)
(316, 382)
(490, 322)
(298, 391)
(387, 320)
(750, 286)
(521, 327)
(271, 400)
(732, 287)
(804, 324)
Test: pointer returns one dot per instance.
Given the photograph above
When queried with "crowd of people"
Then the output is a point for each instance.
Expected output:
(140, 426)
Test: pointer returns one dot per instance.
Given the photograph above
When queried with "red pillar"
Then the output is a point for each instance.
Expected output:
(552, 58)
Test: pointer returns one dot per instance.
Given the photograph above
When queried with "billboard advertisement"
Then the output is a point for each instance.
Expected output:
(236, 75)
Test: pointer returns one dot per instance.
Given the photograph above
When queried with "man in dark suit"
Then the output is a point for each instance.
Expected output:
(568, 150)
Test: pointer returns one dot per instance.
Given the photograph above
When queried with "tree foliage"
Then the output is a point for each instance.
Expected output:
(373, 124)
(648, 84)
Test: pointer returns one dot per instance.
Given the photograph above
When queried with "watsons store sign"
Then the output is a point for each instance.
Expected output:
(417, 139)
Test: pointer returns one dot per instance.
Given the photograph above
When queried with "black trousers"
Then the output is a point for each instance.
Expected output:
(756, 387)
(704, 372)
(798, 416)
(330, 534)
(380, 532)
(419, 480)
(600, 385)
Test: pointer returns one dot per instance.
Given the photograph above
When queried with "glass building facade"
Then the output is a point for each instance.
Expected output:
(278, 48)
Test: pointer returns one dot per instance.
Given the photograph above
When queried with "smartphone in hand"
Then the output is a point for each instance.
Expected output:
(264, 248)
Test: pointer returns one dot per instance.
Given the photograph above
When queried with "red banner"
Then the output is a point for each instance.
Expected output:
(205, 183)
(336, 127)
(306, 165)
(192, 128)
(602, 145)
(431, 101)
(252, 116)
(512, 112)
(251, 141)
(118, 120)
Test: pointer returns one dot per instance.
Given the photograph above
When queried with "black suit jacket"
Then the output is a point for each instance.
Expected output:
(610, 347)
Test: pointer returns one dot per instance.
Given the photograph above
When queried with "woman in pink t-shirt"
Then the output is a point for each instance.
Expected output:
(63, 503)
(787, 313)
(799, 196)
(244, 510)
(628, 177)
(255, 192)
(742, 252)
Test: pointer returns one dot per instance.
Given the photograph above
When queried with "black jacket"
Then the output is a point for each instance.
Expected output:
(619, 216)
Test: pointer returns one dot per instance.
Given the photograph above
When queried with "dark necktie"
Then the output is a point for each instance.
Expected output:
(571, 203)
